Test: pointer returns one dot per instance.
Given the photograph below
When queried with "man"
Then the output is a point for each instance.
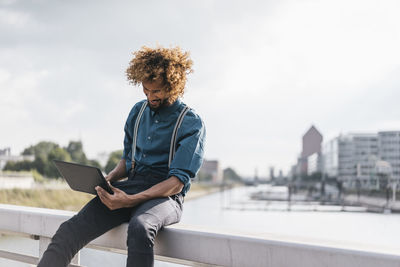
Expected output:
(163, 150)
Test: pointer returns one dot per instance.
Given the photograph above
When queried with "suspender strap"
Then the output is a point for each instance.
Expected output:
(175, 133)
(135, 130)
(173, 138)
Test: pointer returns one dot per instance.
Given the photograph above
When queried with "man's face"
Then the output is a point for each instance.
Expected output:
(155, 93)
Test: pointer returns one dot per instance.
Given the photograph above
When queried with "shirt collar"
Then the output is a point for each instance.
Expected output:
(164, 111)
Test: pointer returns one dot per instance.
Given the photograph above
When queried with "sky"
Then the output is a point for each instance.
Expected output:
(264, 72)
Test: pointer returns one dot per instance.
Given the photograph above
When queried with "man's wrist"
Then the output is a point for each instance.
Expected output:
(136, 199)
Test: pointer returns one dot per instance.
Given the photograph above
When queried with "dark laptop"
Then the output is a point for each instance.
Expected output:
(82, 178)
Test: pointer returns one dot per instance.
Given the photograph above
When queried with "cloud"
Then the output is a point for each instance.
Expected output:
(264, 71)
(18, 90)
(14, 19)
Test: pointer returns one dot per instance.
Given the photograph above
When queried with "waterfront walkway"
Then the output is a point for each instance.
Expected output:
(373, 204)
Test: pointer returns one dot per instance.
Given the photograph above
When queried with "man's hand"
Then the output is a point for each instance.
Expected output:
(118, 172)
(120, 199)
(109, 178)
(115, 201)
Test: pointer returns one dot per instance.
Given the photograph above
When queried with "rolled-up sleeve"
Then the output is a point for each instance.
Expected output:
(190, 150)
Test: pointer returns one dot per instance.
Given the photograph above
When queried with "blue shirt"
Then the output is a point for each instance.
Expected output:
(154, 138)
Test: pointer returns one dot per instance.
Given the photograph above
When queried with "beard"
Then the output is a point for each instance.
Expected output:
(162, 103)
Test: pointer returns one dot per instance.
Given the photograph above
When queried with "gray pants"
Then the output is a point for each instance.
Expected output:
(145, 220)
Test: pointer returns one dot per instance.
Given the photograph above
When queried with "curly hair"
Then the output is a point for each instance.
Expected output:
(169, 64)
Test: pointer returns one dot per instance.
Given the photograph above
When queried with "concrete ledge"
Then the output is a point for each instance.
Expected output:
(195, 245)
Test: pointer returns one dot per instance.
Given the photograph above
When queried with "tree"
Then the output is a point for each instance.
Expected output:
(45, 152)
(59, 154)
(113, 160)
(41, 149)
(75, 149)
(40, 164)
(230, 174)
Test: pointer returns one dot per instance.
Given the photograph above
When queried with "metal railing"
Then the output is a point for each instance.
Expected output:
(198, 247)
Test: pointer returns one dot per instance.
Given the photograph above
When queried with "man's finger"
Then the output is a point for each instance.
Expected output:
(100, 194)
(104, 200)
(103, 192)
(103, 195)
(115, 189)
(111, 186)
(99, 189)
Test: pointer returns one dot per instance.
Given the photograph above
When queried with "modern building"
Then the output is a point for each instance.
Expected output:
(292, 174)
(359, 159)
(389, 151)
(358, 154)
(212, 169)
(311, 143)
(314, 163)
(330, 158)
(271, 173)
(365, 160)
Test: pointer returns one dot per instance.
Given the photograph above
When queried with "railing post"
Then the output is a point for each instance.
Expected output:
(44, 243)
